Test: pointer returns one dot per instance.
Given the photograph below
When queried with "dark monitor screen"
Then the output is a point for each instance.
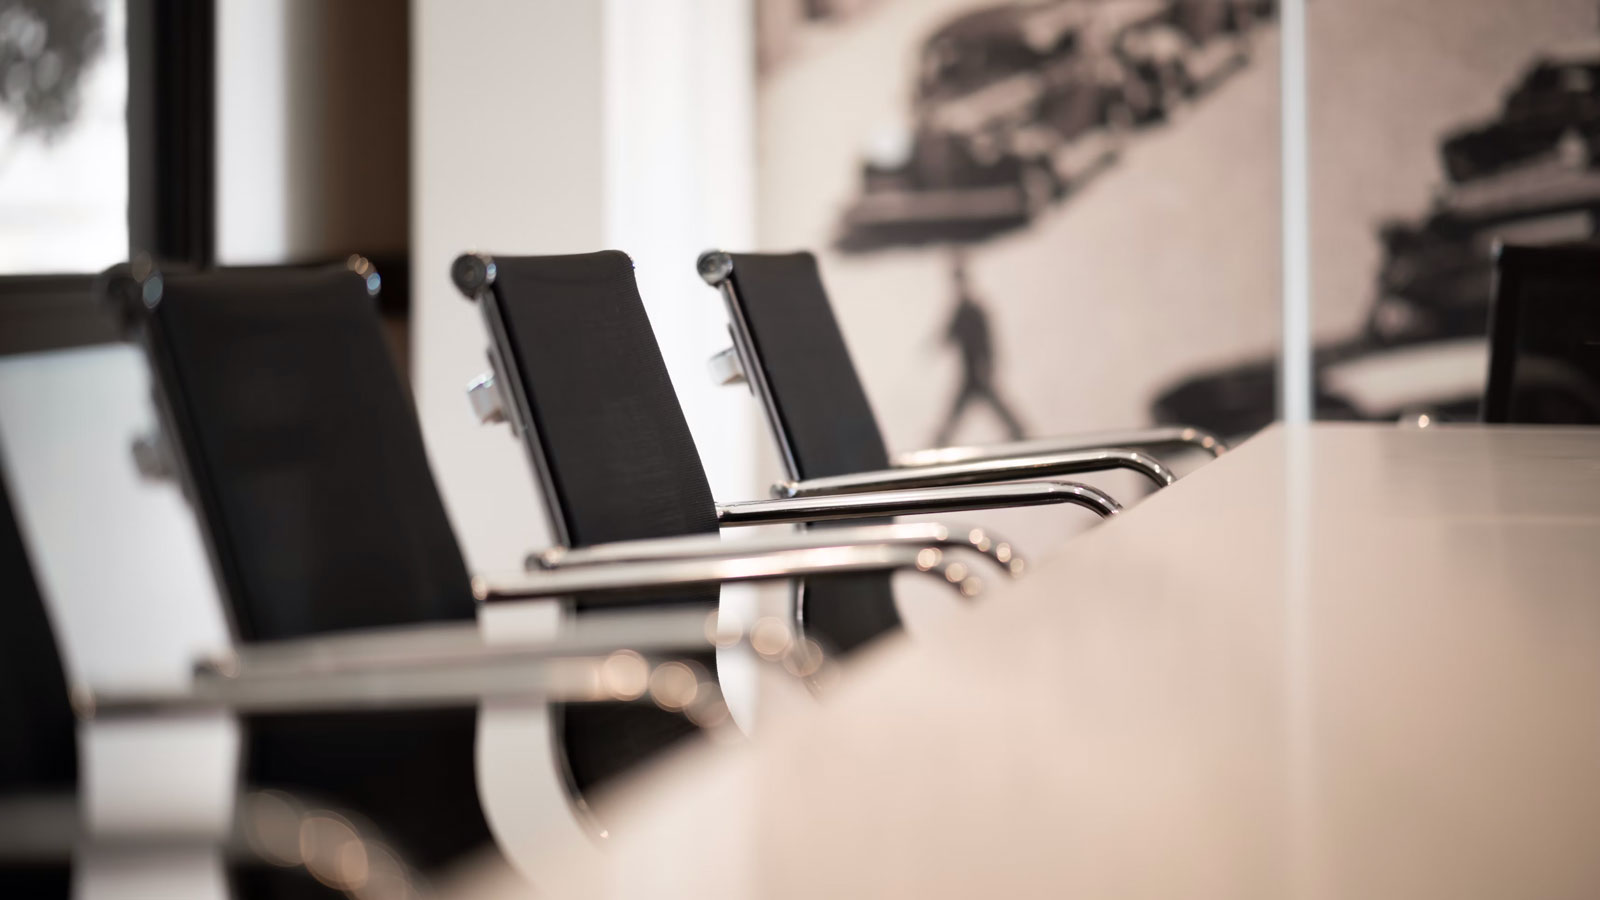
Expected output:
(1544, 333)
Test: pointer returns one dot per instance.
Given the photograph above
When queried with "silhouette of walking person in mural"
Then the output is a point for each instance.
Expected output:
(969, 332)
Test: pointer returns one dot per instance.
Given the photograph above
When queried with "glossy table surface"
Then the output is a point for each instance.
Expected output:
(1341, 661)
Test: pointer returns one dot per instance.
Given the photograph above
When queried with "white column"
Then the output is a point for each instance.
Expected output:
(543, 126)
(680, 179)
(1294, 378)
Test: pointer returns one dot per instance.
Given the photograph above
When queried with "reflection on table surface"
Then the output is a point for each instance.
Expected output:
(1341, 661)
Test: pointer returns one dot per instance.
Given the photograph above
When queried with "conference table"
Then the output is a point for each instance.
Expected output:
(1340, 661)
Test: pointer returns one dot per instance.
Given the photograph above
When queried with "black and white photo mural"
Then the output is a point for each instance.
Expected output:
(1437, 128)
(1063, 215)
(1038, 215)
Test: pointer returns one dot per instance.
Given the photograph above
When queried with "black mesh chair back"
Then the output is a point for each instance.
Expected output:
(800, 370)
(594, 402)
(812, 391)
(302, 453)
(305, 451)
(586, 387)
(589, 394)
(1544, 336)
(40, 752)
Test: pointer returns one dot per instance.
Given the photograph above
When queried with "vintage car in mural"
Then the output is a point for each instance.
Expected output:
(1423, 349)
(1554, 111)
(1018, 104)
(1187, 51)
(1013, 105)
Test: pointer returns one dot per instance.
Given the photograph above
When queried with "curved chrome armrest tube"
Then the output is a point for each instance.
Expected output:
(1147, 440)
(920, 534)
(820, 507)
(55, 829)
(449, 665)
(655, 630)
(779, 565)
(432, 666)
(981, 471)
(572, 679)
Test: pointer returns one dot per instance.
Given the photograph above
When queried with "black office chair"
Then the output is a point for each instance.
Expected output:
(788, 347)
(578, 374)
(304, 461)
(1544, 336)
(39, 756)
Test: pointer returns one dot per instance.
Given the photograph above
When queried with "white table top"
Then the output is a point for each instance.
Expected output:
(1346, 661)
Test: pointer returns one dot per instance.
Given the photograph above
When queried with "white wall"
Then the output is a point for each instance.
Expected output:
(680, 179)
(508, 157)
(311, 124)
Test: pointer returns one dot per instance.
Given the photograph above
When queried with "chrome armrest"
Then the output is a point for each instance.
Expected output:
(775, 565)
(453, 644)
(1147, 440)
(451, 665)
(981, 471)
(269, 825)
(918, 534)
(821, 507)
(428, 666)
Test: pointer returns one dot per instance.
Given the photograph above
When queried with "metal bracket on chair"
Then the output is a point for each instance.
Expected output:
(152, 456)
(483, 393)
(726, 369)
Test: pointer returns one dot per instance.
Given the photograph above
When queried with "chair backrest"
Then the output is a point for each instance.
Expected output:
(304, 452)
(298, 445)
(1544, 336)
(799, 368)
(796, 358)
(585, 386)
(593, 400)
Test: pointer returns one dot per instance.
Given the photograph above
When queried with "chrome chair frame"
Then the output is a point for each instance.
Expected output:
(1146, 440)
(1067, 455)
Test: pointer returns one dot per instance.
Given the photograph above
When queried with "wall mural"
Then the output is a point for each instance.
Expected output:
(1524, 172)
(1062, 215)
(985, 184)
(1019, 106)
